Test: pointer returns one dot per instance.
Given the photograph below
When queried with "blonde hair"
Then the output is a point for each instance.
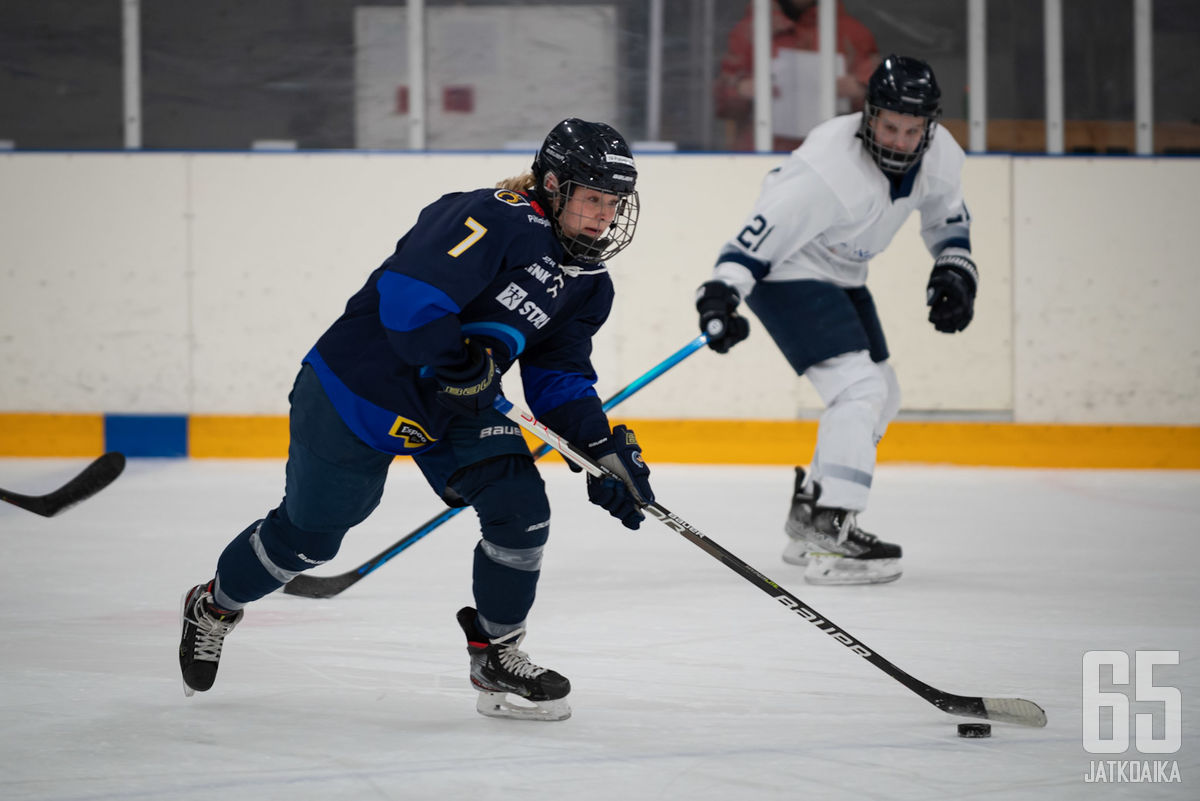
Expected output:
(524, 182)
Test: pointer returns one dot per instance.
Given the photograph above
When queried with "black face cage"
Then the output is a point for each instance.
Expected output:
(591, 250)
(890, 160)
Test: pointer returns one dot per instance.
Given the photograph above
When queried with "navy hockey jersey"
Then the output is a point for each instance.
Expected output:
(482, 264)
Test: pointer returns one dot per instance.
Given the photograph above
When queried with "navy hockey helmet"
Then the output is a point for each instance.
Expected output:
(907, 86)
(591, 155)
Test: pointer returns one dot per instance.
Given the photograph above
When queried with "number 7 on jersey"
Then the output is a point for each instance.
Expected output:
(477, 232)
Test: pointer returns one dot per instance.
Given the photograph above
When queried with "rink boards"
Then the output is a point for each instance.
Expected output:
(171, 322)
(678, 441)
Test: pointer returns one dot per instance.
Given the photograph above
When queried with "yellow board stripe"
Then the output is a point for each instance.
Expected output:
(51, 435)
(699, 441)
(237, 437)
(959, 443)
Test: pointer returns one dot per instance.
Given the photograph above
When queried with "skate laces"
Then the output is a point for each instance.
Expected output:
(513, 659)
(845, 526)
(210, 630)
(849, 530)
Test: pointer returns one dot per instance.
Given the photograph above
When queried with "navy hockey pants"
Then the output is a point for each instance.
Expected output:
(812, 321)
(334, 481)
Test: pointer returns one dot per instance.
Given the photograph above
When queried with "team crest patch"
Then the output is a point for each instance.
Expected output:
(411, 433)
(511, 198)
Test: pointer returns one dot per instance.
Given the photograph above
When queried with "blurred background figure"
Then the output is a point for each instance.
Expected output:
(794, 73)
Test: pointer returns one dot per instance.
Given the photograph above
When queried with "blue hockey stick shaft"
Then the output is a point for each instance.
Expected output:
(328, 586)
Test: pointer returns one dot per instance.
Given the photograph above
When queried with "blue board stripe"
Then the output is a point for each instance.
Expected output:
(146, 434)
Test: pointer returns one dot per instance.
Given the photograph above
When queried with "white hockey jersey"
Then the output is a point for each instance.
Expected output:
(829, 209)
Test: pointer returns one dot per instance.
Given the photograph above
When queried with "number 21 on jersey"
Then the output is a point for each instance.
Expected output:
(755, 233)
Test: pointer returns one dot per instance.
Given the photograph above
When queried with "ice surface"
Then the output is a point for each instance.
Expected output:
(689, 683)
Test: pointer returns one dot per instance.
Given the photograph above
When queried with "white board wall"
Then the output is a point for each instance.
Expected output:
(94, 296)
(194, 283)
(1106, 301)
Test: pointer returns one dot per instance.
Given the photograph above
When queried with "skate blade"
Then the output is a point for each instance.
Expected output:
(834, 570)
(497, 705)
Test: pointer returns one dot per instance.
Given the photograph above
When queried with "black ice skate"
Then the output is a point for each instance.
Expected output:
(499, 668)
(204, 631)
(842, 553)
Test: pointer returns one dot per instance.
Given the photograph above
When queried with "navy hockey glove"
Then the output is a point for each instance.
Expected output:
(717, 303)
(623, 498)
(950, 293)
(470, 386)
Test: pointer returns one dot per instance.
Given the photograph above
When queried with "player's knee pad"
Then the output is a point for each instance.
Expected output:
(852, 378)
(295, 548)
(283, 549)
(514, 515)
(267, 555)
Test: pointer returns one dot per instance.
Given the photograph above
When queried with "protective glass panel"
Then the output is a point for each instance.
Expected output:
(60, 87)
(317, 74)
(1176, 77)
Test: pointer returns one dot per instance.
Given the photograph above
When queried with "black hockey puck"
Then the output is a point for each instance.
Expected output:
(974, 730)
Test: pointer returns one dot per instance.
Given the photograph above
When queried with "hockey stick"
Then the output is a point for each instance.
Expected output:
(95, 477)
(1007, 710)
(328, 586)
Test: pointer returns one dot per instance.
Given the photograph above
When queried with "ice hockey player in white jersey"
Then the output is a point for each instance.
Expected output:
(800, 262)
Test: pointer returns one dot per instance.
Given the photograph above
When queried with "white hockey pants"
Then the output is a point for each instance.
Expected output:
(861, 397)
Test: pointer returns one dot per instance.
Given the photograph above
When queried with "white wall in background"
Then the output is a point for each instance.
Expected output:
(194, 283)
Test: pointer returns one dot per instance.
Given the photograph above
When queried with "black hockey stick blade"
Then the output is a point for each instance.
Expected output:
(321, 586)
(1005, 710)
(95, 477)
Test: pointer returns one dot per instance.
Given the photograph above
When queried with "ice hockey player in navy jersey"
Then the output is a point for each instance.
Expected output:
(800, 262)
(484, 279)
